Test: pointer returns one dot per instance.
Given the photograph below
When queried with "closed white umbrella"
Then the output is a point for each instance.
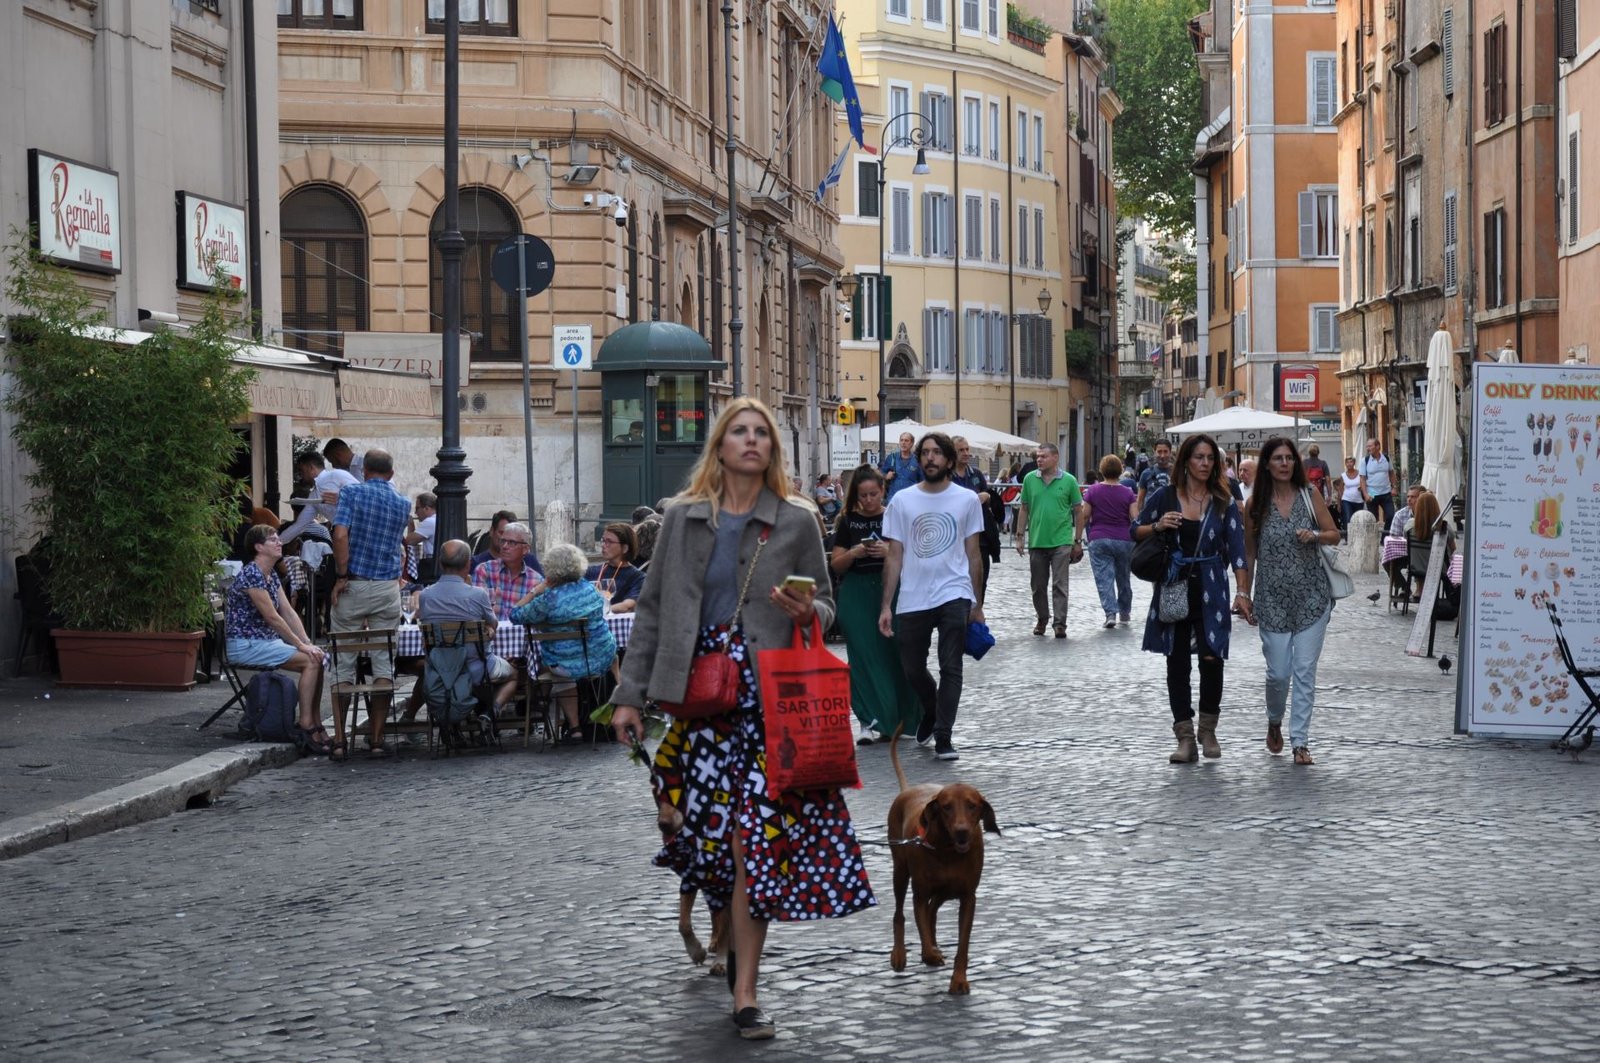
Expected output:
(1441, 461)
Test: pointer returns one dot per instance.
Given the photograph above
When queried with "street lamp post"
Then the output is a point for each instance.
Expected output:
(451, 472)
(735, 321)
(918, 136)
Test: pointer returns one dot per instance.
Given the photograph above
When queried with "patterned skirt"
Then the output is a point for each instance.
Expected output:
(802, 860)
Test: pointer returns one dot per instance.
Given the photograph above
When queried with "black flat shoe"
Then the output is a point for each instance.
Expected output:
(754, 1024)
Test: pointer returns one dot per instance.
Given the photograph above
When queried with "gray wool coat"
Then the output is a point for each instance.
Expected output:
(667, 625)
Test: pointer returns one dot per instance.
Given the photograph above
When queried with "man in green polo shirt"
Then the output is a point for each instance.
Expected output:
(1050, 522)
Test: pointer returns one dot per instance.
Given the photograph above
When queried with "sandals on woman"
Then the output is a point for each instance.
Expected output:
(1302, 755)
(1274, 736)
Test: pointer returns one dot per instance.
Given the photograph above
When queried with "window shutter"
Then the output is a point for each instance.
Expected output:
(885, 305)
(1566, 29)
(1573, 217)
(928, 357)
(1451, 243)
(1447, 34)
(927, 224)
(1308, 224)
(1322, 77)
(857, 301)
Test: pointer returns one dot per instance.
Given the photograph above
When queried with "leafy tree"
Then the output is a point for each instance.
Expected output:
(1159, 84)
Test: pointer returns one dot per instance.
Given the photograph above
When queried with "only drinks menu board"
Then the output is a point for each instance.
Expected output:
(1535, 538)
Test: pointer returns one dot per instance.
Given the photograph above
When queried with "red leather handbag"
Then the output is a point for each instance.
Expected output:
(713, 686)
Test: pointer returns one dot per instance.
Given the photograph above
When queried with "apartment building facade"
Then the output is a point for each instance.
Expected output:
(1210, 364)
(1578, 56)
(974, 295)
(1142, 314)
(597, 126)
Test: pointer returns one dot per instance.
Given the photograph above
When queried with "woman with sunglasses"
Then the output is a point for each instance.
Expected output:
(1198, 507)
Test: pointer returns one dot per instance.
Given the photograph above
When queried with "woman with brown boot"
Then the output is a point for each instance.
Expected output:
(1187, 613)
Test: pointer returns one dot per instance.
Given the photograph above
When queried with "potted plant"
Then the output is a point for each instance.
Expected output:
(130, 446)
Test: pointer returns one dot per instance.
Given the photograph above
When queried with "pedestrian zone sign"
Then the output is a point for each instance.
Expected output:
(572, 347)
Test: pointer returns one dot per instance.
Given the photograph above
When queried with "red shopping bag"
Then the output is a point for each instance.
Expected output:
(805, 701)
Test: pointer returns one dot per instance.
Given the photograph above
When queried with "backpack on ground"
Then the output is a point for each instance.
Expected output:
(271, 708)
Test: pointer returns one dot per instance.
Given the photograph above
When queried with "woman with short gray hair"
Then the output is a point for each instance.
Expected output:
(566, 598)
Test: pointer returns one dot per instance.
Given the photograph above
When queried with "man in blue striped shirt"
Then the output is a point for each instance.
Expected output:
(369, 529)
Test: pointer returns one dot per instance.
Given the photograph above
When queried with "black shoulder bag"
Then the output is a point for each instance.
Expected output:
(1152, 555)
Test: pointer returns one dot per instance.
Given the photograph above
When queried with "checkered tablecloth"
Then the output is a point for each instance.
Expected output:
(510, 640)
(1457, 563)
(1394, 548)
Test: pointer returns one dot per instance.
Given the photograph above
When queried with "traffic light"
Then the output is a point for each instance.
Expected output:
(845, 415)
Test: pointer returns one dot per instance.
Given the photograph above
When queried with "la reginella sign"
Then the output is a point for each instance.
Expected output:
(76, 212)
(212, 235)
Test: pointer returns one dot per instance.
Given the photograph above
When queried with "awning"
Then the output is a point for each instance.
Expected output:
(385, 391)
(287, 383)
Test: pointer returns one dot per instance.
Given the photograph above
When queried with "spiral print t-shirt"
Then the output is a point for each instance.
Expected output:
(933, 528)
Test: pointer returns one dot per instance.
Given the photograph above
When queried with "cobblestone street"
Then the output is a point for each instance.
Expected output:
(1414, 895)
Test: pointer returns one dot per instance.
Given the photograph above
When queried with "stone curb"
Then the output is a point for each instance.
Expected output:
(153, 797)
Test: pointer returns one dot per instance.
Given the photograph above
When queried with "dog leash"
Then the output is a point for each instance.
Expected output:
(892, 843)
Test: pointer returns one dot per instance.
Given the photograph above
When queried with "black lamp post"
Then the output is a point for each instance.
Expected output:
(451, 472)
(735, 322)
(918, 136)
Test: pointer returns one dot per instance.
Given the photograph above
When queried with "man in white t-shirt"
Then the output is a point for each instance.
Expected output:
(329, 482)
(935, 561)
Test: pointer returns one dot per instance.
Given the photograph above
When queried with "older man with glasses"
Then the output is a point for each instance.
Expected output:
(514, 573)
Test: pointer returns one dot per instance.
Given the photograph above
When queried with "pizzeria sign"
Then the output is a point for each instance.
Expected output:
(212, 235)
(76, 212)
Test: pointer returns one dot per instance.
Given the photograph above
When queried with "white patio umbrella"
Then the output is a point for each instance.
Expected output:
(1239, 424)
(893, 429)
(1441, 463)
(984, 438)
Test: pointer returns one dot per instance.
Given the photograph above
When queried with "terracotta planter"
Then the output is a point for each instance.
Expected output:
(161, 660)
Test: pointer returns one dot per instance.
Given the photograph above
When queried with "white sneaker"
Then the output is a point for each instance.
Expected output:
(869, 734)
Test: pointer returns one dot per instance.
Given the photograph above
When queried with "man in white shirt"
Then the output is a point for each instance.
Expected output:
(329, 482)
(934, 538)
(421, 536)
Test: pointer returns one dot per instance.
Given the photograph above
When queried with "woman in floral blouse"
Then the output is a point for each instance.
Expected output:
(1199, 508)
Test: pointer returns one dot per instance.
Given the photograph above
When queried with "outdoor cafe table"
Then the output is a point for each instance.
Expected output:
(510, 640)
(1395, 548)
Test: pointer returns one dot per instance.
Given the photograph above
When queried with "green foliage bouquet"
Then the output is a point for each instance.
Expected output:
(131, 446)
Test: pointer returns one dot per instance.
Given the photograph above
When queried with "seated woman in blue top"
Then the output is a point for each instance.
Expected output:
(265, 632)
(619, 546)
(565, 598)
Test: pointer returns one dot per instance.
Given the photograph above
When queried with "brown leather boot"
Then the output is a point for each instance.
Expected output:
(1208, 735)
(1186, 752)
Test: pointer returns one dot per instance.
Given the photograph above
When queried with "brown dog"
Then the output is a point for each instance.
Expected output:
(936, 839)
(669, 820)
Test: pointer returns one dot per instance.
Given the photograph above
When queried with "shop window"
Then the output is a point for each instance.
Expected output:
(324, 269)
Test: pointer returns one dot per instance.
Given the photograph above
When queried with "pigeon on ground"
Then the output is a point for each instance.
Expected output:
(1445, 662)
(1584, 740)
(1374, 596)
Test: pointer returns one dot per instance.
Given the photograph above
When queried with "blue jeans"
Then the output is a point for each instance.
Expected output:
(1293, 655)
(1348, 509)
(1109, 559)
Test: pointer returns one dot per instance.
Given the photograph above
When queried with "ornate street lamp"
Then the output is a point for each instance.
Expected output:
(918, 136)
(451, 473)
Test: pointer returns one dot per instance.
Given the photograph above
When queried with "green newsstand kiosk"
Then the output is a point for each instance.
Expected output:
(653, 381)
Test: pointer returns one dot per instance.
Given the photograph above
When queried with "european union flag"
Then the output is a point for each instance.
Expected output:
(837, 84)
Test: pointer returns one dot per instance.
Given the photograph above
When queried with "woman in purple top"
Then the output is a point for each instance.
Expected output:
(1110, 507)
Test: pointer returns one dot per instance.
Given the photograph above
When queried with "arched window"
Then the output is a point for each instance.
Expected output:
(633, 264)
(486, 309)
(700, 294)
(324, 269)
(658, 256)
